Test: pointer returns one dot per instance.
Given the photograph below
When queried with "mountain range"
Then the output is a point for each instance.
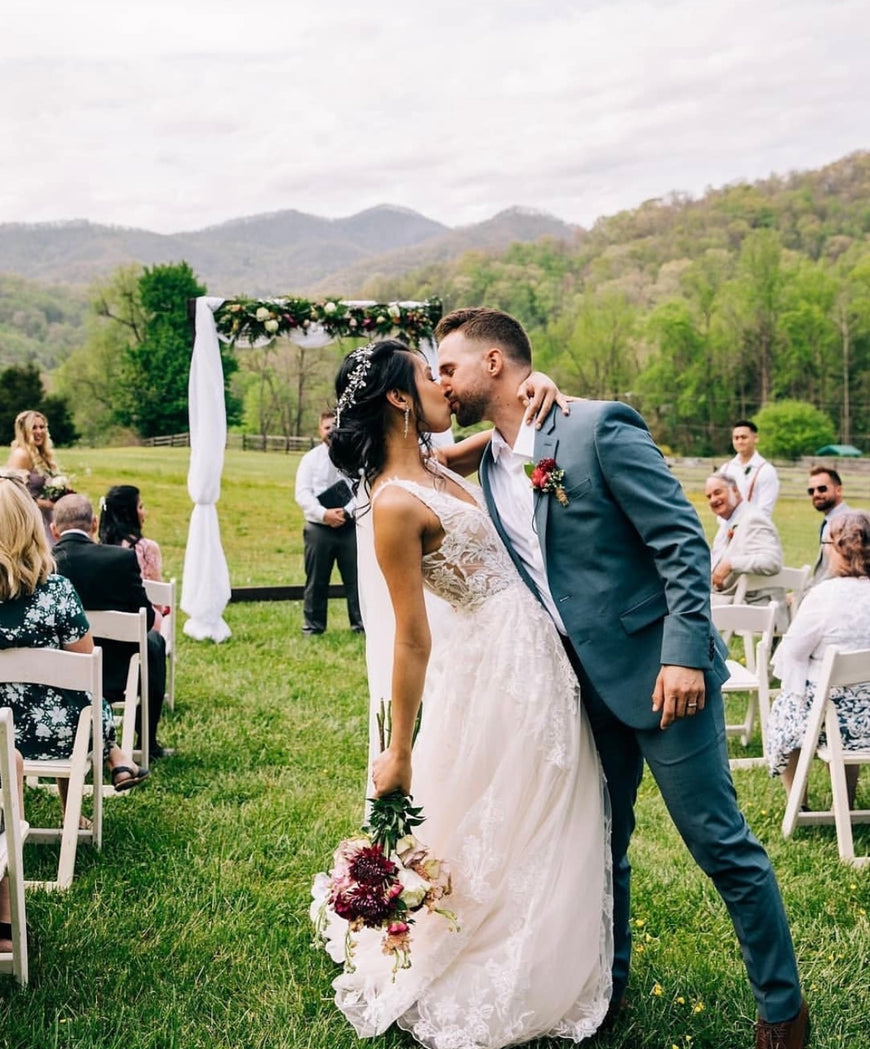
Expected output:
(279, 253)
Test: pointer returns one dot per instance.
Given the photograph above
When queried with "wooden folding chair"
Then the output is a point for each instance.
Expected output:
(130, 627)
(794, 581)
(165, 595)
(82, 673)
(754, 625)
(839, 668)
(12, 836)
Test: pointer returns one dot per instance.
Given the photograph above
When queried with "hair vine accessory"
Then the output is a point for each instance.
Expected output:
(356, 381)
(103, 505)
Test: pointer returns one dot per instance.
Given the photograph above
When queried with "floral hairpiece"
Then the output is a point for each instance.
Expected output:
(356, 380)
(103, 504)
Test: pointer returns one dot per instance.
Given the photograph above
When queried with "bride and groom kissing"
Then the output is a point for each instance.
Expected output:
(530, 795)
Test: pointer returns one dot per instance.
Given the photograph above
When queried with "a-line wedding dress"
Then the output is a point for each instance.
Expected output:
(514, 798)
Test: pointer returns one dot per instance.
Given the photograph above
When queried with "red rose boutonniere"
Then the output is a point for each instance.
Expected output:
(546, 477)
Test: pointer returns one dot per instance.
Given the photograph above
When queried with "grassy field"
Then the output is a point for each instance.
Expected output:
(190, 930)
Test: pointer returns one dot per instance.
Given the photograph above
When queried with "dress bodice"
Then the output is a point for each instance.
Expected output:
(471, 564)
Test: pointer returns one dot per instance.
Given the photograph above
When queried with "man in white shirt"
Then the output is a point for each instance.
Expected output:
(756, 478)
(826, 491)
(329, 535)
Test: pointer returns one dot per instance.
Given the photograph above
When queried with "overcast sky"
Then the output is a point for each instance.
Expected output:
(177, 115)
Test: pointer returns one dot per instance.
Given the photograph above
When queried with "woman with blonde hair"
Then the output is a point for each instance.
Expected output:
(39, 609)
(835, 612)
(33, 454)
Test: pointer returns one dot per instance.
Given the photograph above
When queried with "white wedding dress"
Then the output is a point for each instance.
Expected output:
(514, 799)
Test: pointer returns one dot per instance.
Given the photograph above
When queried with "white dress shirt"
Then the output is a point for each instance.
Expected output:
(316, 473)
(758, 476)
(512, 491)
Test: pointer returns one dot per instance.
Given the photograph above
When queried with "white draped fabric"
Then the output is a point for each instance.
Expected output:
(206, 581)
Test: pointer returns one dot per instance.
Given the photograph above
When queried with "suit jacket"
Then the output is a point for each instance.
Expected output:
(627, 561)
(753, 549)
(106, 577)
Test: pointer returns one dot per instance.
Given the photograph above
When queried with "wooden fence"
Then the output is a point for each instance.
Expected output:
(247, 442)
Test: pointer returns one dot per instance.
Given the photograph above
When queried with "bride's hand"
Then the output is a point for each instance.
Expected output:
(538, 393)
(390, 772)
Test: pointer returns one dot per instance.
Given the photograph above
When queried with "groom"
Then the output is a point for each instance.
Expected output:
(616, 554)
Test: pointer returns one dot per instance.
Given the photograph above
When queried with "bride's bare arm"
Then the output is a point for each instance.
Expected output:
(539, 393)
(399, 524)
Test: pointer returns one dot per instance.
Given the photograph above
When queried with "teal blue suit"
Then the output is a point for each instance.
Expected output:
(629, 570)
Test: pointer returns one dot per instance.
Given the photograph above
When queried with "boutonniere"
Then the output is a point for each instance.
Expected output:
(547, 478)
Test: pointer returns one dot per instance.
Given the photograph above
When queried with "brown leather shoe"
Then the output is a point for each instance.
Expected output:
(791, 1034)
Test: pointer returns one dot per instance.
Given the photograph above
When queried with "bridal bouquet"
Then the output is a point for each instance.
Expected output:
(382, 877)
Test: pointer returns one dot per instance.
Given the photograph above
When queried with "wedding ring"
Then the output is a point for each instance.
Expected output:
(691, 706)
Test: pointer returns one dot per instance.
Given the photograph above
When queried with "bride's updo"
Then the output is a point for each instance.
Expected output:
(357, 444)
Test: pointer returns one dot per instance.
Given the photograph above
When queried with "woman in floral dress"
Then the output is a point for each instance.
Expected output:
(41, 610)
(835, 612)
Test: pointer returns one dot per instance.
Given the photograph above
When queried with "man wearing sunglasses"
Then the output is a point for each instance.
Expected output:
(826, 491)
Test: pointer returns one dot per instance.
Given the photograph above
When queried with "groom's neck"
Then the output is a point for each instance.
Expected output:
(506, 411)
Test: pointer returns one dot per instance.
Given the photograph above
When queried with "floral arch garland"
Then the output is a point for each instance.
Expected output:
(206, 579)
(257, 320)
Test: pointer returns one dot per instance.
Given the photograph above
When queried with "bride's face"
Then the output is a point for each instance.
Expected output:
(436, 410)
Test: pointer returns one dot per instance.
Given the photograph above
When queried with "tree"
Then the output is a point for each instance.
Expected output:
(21, 388)
(790, 429)
(133, 370)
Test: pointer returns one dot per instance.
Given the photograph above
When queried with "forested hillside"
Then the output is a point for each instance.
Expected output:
(698, 312)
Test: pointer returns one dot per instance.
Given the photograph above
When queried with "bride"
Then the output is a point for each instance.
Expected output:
(504, 765)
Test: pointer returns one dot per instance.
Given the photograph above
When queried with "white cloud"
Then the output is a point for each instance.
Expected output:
(178, 116)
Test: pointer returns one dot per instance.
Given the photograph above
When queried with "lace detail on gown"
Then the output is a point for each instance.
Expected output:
(507, 774)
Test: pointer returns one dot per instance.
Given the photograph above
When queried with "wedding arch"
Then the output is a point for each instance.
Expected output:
(251, 322)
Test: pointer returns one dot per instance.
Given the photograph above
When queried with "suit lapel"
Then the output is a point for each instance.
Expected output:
(546, 446)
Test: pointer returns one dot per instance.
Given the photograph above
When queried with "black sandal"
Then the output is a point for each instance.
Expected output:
(132, 778)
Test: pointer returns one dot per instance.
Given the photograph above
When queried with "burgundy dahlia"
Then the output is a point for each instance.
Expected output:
(371, 867)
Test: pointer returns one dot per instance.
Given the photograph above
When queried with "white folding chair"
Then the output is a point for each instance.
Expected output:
(12, 837)
(165, 595)
(839, 668)
(754, 625)
(794, 581)
(82, 673)
(131, 627)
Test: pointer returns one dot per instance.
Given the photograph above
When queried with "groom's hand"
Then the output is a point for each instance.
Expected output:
(678, 693)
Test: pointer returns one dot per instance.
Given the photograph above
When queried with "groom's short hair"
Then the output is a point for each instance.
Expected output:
(486, 325)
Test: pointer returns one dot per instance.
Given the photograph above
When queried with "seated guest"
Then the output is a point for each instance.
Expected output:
(747, 543)
(41, 610)
(108, 577)
(826, 491)
(122, 515)
(836, 612)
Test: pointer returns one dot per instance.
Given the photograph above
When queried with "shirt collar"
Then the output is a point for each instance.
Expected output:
(524, 445)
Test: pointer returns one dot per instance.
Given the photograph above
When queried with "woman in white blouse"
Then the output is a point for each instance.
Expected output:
(835, 612)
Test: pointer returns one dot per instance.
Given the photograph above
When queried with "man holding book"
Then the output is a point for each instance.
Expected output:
(327, 502)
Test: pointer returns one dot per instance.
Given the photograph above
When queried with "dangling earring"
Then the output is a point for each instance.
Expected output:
(407, 413)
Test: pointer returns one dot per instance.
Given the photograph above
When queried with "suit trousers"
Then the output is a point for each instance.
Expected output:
(325, 547)
(689, 761)
(156, 686)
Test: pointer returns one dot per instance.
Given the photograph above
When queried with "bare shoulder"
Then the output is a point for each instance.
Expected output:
(19, 459)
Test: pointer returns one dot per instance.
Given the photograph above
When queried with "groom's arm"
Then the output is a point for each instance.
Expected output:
(655, 504)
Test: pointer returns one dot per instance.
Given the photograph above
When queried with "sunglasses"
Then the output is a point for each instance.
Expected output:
(822, 488)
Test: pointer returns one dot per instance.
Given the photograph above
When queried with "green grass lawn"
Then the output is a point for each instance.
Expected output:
(190, 929)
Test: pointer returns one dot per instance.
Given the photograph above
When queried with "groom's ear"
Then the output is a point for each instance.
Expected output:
(493, 361)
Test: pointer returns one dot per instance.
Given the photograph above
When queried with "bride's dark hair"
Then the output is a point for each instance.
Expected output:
(357, 445)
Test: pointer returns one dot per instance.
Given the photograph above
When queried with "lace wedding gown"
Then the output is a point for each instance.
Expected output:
(509, 780)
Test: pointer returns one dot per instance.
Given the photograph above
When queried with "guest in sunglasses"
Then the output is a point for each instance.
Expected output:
(826, 491)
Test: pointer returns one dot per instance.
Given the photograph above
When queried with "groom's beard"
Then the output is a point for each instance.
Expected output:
(472, 409)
